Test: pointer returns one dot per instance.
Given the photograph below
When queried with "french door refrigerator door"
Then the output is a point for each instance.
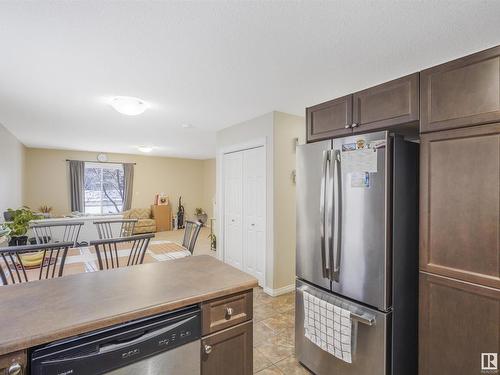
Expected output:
(365, 214)
(312, 210)
(370, 338)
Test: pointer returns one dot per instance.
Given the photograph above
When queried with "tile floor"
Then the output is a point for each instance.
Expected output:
(274, 335)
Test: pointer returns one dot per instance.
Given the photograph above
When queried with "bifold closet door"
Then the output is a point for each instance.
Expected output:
(233, 207)
(254, 203)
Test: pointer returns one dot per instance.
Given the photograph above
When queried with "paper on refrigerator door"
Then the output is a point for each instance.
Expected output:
(362, 160)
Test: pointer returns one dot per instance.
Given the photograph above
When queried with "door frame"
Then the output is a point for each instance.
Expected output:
(268, 217)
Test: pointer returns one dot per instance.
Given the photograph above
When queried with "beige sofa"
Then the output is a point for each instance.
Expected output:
(145, 222)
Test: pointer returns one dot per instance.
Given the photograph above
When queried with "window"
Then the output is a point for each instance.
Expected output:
(104, 188)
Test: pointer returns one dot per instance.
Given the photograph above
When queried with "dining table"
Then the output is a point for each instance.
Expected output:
(84, 258)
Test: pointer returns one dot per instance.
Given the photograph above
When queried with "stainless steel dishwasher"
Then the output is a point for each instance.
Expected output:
(166, 344)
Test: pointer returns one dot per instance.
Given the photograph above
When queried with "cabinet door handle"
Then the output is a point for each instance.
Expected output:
(347, 126)
(15, 369)
(354, 125)
(208, 349)
(229, 311)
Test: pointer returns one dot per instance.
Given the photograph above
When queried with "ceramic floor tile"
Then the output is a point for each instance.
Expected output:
(272, 370)
(260, 333)
(275, 351)
(291, 366)
(279, 322)
(263, 311)
(260, 361)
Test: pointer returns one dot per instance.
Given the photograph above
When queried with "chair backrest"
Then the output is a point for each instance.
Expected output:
(109, 251)
(14, 263)
(191, 234)
(105, 228)
(57, 232)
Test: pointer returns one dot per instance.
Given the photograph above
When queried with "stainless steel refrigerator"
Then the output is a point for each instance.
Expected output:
(357, 247)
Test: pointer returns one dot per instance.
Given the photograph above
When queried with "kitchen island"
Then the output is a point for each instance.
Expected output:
(37, 313)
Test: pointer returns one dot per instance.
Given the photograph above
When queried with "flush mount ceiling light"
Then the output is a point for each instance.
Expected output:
(145, 149)
(128, 105)
(187, 126)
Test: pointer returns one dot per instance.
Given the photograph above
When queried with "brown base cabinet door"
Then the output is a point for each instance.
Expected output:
(458, 322)
(228, 352)
(459, 204)
(13, 363)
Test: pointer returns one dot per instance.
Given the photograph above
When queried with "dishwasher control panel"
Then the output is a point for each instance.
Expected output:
(109, 349)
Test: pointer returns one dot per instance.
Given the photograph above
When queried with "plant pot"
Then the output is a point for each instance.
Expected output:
(18, 240)
(44, 239)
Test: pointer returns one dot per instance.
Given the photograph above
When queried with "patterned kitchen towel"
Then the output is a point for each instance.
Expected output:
(328, 326)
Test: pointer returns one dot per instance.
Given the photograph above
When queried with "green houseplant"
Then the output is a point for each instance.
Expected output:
(20, 224)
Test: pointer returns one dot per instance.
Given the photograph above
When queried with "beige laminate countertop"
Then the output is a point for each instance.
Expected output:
(42, 311)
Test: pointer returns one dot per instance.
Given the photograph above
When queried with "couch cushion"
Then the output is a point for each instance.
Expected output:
(145, 229)
(145, 223)
(138, 213)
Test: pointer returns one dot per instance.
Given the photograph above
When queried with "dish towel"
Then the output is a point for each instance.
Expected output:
(328, 326)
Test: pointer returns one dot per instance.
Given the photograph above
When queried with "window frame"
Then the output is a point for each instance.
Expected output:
(101, 166)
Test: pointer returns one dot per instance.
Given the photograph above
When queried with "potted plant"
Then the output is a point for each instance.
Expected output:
(201, 215)
(45, 210)
(20, 224)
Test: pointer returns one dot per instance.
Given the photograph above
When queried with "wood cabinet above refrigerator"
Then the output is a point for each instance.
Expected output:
(389, 104)
(381, 107)
(330, 119)
(462, 92)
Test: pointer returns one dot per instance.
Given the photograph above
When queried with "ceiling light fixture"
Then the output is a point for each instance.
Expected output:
(145, 149)
(187, 126)
(128, 105)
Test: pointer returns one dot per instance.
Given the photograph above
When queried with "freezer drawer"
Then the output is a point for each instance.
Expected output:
(372, 345)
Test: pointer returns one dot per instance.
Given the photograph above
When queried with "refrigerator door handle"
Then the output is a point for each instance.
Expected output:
(357, 315)
(337, 215)
(322, 213)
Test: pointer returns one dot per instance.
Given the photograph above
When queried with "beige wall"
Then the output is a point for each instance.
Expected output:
(47, 179)
(12, 157)
(209, 186)
(287, 128)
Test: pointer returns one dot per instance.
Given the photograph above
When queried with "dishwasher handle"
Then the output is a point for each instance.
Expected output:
(143, 338)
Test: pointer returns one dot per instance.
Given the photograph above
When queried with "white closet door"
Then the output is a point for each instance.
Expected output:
(254, 211)
(233, 207)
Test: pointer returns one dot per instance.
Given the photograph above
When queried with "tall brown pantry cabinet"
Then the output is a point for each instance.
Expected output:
(460, 215)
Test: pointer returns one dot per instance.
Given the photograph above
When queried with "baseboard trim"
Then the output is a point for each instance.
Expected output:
(279, 291)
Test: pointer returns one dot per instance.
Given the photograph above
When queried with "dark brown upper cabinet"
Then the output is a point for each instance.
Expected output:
(389, 104)
(459, 204)
(330, 119)
(458, 321)
(462, 92)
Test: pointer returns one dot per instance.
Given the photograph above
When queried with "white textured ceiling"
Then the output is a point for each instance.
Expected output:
(210, 64)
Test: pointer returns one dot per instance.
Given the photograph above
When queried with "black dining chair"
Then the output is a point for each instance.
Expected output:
(13, 267)
(191, 235)
(64, 231)
(107, 250)
(105, 228)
